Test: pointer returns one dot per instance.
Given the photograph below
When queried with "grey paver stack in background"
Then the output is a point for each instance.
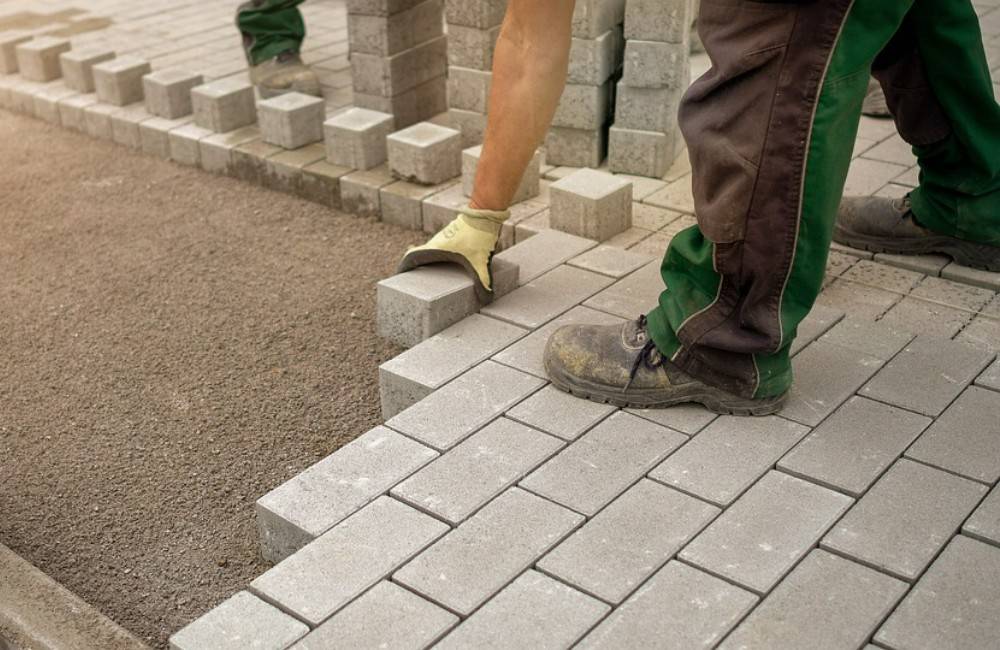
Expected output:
(644, 139)
(579, 133)
(398, 57)
(473, 26)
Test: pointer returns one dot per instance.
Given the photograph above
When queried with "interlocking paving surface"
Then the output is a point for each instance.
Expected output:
(513, 515)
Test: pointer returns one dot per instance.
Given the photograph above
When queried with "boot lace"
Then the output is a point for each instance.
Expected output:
(649, 356)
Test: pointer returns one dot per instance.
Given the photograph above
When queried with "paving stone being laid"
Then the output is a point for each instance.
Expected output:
(686, 418)
(484, 393)
(416, 305)
(956, 603)
(77, 67)
(825, 602)
(591, 204)
(544, 252)
(291, 120)
(414, 374)
(874, 339)
(526, 354)
(610, 261)
(855, 445)
(559, 413)
(990, 377)
(345, 561)
(826, 375)
(473, 562)
(473, 472)
(965, 439)
(728, 457)
(603, 462)
(534, 611)
(224, 105)
(680, 603)
(902, 522)
(242, 621)
(311, 503)
(168, 92)
(356, 138)
(763, 535)
(927, 375)
(633, 295)
(613, 553)
(386, 616)
(539, 301)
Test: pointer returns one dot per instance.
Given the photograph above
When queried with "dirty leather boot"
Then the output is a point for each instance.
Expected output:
(875, 104)
(284, 73)
(884, 225)
(470, 241)
(620, 365)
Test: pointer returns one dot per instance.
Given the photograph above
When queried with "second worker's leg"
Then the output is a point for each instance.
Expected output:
(273, 31)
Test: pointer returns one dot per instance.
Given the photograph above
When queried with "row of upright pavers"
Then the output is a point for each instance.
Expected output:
(644, 139)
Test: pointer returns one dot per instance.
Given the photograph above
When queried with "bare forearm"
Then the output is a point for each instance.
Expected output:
(529, 74)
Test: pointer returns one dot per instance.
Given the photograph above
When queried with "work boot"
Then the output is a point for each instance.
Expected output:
(875, 104)
(284, 73)
(883, 225)
(470, 241)
(620, 365)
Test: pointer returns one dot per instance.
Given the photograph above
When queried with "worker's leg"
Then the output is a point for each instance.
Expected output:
(529, 73)
(770, 129)
(270, 27)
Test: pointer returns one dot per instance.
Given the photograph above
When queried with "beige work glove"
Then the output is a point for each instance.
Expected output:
(470, 241)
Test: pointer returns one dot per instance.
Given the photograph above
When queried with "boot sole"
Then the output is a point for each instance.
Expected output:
(716, 402)
(962, 253)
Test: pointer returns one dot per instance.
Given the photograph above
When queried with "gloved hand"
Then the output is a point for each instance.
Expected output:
(470, 241)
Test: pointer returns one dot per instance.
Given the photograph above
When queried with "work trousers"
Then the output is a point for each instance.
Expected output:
(270, 27)
(770, 131)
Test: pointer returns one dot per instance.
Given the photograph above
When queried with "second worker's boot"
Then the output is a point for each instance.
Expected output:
(284, 73)
(884, 225)
(470, 241)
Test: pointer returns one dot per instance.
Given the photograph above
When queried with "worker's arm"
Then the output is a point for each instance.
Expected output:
(529, 74)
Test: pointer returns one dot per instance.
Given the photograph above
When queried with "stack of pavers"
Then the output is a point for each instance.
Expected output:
(399, 57)
(644, 139)
(579, 133)
(473, 27)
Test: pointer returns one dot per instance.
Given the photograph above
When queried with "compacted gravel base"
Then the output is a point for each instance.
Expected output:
(173, 345)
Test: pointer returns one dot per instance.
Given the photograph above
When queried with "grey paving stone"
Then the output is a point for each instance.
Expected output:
(584, 106)
(764, 534)
(401, 202)
(224, 105)
(964, 438)
(425, 153)
(291, 120)
(168, 92)
(984, 524)
(825, 602)
(471, 47)
(38, 59)
(990, 377)
(926, 264)
(416, 305)
(855, 445)
(300, 510)
(613, 553)
(184, 147)
(925, 317)
(593, 60)
(883, 276)
(635, 151)
(386, 616)
(387, 35)
(954, 294)
(155, 134)
(826, 375)
(546, 297)
(679, 607)
(476, 560)
(902, 522)
(469, 89)
(77, 67)
(356, 138)
(602, 464)
(927, 375)
(686, 418)
(97, 120)
(858, 300)
(561, 414)
(481, 14)
(414, 374)
(391, 76)
(47, 103)
(631, 296)
(484, 393)
(534, 611)
(591, 204)
(819, 321)
(9, 40)
(981, 333)
(125, 125)
(648, 216)
(321, 183)
(482, 466)
(647, 109)
(974, 277)
(250, 160)
(956, 604)
(530, 181)
(345, 561)
(243, 621)
(71, 112)
(656, 20)
(119, 81)
(874, 339)
(611, 261)
(728, 457)
(380, 7)
(544, 252)
(216, 151)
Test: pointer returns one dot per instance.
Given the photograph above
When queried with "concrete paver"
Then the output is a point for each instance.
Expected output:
(984, 524)
(240, 619)
(558, 413)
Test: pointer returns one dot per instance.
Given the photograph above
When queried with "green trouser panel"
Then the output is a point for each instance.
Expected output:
(270, 27)
(770, 131)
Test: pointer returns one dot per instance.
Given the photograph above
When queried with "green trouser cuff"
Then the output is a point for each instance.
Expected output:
(261, 53)
(270, 28)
